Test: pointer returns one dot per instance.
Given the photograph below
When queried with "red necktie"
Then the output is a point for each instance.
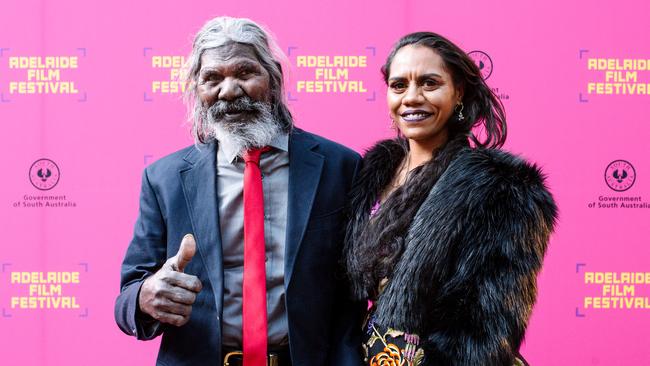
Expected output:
(254, 311)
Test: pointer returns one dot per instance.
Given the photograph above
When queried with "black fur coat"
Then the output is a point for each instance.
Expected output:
(466, 281)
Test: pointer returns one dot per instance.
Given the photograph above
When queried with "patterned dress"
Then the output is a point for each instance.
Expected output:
(390, 347)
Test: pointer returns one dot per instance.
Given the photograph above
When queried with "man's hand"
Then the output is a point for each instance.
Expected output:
(168, 294)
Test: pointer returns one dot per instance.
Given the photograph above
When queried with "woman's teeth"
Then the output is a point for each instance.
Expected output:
(415, 116)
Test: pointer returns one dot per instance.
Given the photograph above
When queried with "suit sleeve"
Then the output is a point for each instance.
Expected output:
(348, 316)
(145, 255)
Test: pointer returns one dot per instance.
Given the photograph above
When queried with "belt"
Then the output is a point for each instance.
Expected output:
(233, 357)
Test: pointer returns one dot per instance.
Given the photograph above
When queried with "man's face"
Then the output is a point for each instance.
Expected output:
(229, 73)
(234, 97)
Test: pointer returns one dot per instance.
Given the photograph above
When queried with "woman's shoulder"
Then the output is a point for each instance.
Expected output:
(495, 166)
(378, 166)
(495, 182)
(385, 150)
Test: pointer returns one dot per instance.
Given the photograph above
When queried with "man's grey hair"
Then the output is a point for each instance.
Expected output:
(222, 31)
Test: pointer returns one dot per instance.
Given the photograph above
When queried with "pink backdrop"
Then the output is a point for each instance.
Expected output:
(102, 136)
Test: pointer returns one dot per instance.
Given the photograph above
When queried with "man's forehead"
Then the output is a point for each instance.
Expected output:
(228, 52)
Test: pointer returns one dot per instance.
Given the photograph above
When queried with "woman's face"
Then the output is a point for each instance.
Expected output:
(421, 95)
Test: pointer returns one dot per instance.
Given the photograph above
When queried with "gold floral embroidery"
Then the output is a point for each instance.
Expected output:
(392, 355)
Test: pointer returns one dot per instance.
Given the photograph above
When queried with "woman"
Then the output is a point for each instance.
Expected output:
(447, 232)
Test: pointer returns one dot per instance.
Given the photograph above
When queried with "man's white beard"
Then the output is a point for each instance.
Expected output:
(257, 131)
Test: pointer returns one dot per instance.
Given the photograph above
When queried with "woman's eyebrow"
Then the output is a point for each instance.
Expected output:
(430, 75)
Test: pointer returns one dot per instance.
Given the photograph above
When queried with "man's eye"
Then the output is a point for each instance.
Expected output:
(211, 80)
(246, 73)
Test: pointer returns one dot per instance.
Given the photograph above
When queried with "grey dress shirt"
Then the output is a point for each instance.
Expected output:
(230, 189)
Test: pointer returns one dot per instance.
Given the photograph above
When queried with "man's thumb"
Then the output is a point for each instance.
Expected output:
(185, 252)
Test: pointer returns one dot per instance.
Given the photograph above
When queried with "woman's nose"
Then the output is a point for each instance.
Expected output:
(412, 94)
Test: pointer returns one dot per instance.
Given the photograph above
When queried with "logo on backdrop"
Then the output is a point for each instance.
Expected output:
(485, 65)
(166, 76)
(616, 76)
(44, 174)
(483, 61)
(620, 175)
(337, 72)
(608, 290)
(51, 291)
(41, 74)
(45, 290)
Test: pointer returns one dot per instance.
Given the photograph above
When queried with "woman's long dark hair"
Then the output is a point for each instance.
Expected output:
(373, 247)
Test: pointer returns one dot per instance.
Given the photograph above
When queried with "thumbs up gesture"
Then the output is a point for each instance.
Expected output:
(185, 253)
(168, 294)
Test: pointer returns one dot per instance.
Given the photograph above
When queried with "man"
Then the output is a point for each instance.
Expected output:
(263, 204)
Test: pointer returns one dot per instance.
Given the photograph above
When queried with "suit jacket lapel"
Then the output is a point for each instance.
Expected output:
(305, 166)
(200, 189)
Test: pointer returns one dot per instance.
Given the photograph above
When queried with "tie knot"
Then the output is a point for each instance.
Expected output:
(253, 155)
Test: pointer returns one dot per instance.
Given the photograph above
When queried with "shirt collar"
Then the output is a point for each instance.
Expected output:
(279, 142)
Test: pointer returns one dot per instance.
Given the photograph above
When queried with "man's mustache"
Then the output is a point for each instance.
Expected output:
(243, 104)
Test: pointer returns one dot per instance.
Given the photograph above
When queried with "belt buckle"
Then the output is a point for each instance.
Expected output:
(231, 354)
(272, 360)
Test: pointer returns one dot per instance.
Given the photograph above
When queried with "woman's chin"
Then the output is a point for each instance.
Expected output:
(417, 133)
(426, 138)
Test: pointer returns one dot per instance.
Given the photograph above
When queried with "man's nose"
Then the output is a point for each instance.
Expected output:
(230, 90)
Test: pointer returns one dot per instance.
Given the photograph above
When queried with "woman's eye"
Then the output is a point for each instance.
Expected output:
(430, 83)
(398, 86)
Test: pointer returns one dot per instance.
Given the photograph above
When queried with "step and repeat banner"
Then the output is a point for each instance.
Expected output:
(90, 95)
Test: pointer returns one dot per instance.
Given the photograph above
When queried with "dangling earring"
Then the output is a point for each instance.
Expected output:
(460, 112)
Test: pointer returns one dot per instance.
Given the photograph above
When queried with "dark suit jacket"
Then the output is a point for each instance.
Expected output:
(179, 197)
